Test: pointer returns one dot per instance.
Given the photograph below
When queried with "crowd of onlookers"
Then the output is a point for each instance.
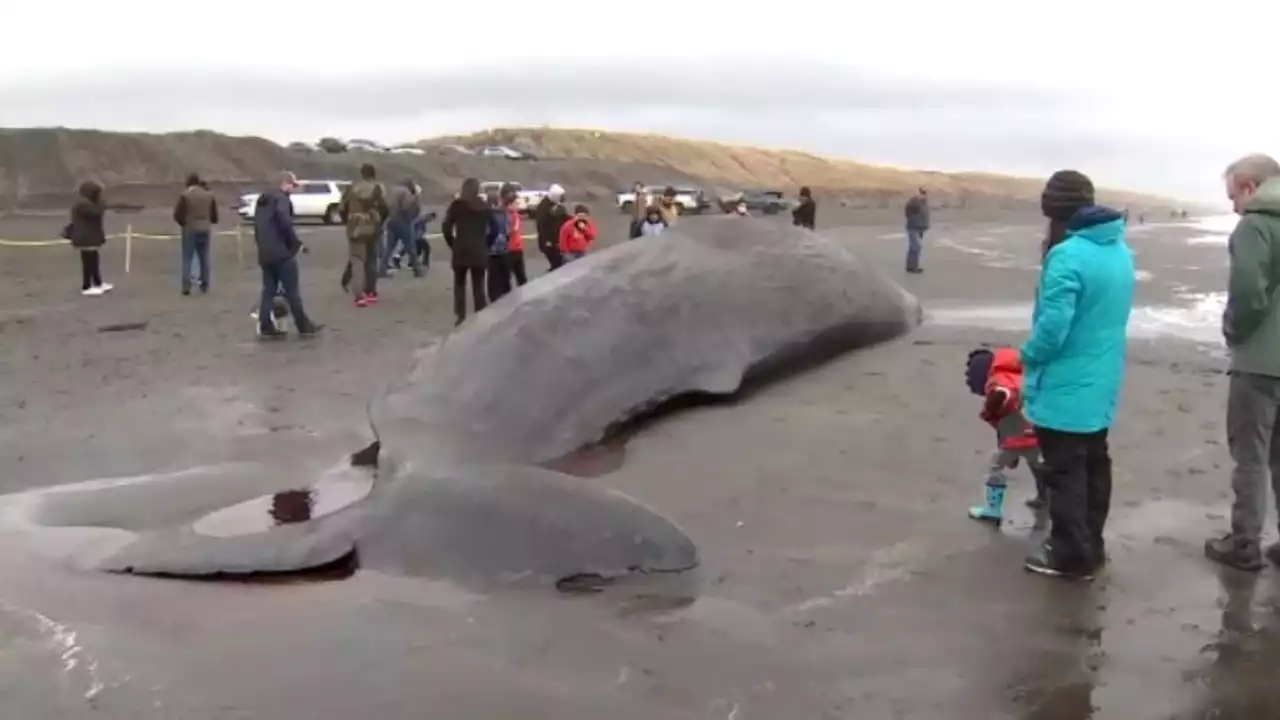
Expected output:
(385, 225)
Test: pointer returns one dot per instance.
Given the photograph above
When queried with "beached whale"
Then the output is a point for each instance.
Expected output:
(462, 439)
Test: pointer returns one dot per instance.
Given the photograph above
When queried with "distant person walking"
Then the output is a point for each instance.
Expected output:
(1073, 366)
(497, 275)
(640, 203)
(577, 234)
(1251, 327)
(549, 217)
(805, 213)
(278, 248)
(402, 200)
(86, 233)
(467, 231)
(515, 236)
(196, 213)
(364, 209)
(917, 217)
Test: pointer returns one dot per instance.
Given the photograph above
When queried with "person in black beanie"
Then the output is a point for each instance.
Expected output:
(1073, 363)
(1066, 192)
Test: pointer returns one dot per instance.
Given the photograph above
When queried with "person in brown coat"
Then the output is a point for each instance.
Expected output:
(364, 210)
(468, 231)
(196, 213)
(87, 236)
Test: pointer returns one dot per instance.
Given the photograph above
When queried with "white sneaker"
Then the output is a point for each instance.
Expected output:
(90, 292)
(106, 287)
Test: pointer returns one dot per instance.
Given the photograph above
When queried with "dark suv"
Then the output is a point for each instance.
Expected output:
(769, 202)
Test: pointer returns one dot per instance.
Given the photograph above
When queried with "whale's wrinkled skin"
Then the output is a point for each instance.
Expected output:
(462, 492)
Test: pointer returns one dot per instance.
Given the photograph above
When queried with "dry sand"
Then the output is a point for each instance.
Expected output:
(830, 508)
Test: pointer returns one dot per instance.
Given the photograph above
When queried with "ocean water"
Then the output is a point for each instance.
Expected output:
(1215, 229)
(1199, 320)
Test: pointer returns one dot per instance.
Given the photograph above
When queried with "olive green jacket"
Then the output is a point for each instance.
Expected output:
(1251, 321)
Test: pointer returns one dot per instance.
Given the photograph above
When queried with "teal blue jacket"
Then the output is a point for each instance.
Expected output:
(1073, 360)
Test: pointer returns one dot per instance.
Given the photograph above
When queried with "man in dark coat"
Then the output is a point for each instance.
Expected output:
(916, 212)
(278, 247)
(87, 235)
(467, 230)
(196, 213)
(805, 214)
(548, 217)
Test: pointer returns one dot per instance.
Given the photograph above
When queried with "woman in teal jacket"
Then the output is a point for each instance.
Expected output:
(1074, 364)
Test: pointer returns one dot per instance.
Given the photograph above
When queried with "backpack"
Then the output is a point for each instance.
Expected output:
(364, 218)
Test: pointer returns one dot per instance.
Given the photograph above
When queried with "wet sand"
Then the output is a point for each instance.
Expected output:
(841, 577)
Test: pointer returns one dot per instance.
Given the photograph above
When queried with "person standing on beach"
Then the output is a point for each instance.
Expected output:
(548, 218)
(917, 217)
(196, 213)
(278, 247)
(467, 231)
(86, 233)
(639, 207)
(515, 237)
(1251, 327)
(577, 234)
(402, 201)
(364, 209)
(1073, 363)
(805, 214)
(497, 275)
(667, 206)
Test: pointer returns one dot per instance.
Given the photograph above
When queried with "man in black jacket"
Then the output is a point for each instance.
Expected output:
(549, 216)
(278, 247)
(916, 213)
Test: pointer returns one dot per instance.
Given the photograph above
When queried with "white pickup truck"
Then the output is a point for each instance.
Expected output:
(526, 200)
(687, 201)
(312, 200)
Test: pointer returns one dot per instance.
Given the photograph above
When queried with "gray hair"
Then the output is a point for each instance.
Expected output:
(1256, 168)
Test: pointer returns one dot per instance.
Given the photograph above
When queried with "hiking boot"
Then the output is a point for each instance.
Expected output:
(363, 301)
(312, 331)
(1044, 562)
(459, 320)
(1234, 552)
(373, 296)
(915, 271)
(272, 334)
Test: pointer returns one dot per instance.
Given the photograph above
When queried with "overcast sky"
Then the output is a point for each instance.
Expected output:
(1153, 97)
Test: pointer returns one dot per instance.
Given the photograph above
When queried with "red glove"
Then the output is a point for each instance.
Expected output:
(994, 408)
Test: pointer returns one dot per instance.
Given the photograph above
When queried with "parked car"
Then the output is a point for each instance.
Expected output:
(459, 149)
(689, 201)
(312, 200)
(407, 150)
(502, 151)
(362, 145)
(768, 202)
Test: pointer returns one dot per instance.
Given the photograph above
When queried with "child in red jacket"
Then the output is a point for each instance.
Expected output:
(997, 376)
(577, 233)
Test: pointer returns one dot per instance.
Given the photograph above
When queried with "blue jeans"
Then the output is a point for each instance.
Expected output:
(571, 256)
(195, 244)
(399, 232)
(282, 278)
(914, 238)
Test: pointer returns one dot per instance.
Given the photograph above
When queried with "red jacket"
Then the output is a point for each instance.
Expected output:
(1004, 410)
(574, 240)
(515, 240)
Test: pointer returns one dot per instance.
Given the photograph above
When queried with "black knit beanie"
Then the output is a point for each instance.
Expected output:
(1066, 192)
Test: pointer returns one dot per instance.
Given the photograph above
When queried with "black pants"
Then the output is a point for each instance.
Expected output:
(1077, 474)
(498, 277)
(553, 256)
(460, 290)
(515, 263)
(90, 269)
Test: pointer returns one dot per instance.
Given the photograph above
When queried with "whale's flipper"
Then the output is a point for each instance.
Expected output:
(506, 523)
